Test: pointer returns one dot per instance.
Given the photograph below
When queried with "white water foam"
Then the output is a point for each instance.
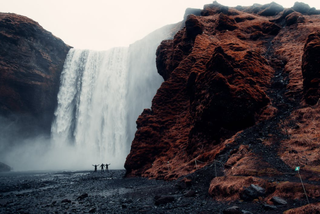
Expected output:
(91, 113)
(100, 97)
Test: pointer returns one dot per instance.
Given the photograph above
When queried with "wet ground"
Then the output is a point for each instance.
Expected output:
(89, 192)
(108, 192)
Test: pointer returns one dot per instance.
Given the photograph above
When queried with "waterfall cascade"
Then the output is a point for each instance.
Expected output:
(100, 97)
(91, 109)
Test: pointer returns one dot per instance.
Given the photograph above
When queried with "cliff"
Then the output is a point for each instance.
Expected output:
(31, 60)
(239, 104)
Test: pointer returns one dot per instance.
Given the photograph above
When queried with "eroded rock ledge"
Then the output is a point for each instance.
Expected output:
(240, 86)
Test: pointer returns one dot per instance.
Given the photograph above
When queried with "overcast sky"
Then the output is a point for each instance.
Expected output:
(102, 24)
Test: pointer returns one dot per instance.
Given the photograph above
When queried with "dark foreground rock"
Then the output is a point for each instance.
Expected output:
(95, 192)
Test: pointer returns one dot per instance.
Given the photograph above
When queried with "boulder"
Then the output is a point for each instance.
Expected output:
(226, 23)
(301, 7)
(193, 26)
(271, 10)
(269, 207)
(278, 201)
(294, 18)
(214, 8)
(252, 192)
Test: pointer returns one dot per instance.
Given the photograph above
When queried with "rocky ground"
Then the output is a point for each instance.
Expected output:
(110, 192)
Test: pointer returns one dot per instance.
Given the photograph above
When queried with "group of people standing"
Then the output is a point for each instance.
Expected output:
(102, 166)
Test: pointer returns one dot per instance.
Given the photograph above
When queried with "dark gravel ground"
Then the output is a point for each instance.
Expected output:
(93, 192)
(110, 192)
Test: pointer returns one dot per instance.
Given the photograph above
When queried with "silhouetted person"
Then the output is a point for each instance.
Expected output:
(102, 167)
(107, 166)
(95, 167)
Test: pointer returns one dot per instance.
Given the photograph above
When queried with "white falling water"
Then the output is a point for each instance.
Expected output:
(91, 112)
(100, 97)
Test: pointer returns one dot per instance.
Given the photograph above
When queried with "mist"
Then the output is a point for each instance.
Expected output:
(101, 95)
(40, 154)
(38, 151)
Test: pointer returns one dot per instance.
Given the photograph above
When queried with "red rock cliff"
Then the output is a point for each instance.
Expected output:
(238, 85)
(31, 60)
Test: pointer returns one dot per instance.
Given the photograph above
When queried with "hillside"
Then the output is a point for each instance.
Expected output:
(239, 104)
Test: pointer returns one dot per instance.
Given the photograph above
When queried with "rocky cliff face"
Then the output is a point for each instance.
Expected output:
(31, 60)
(239, 101)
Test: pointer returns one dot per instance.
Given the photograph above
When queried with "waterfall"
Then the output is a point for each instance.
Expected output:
(91, 110)
(100, 97)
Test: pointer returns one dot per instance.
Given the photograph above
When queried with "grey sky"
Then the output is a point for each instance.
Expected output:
(102, 24)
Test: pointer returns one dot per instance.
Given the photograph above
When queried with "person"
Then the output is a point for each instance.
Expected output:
(107, 166)
(102, 165)
(95, 167)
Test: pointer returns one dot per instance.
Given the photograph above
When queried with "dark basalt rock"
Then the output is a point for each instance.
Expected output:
(301, 7)
(270, 28)
(252, 192)
(193, 26)
(214, 8)
(310, 69)
(31, 60)
(313, 11)
(285, 13)
(294, 18)
(226, 23)
(278, 201)
(304, 8)
(271, 10)
(163, 199)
